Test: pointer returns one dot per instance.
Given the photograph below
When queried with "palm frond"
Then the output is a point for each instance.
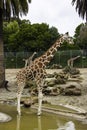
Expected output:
(15, 7)
(81, 7)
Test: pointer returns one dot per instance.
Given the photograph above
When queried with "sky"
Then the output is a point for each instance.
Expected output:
(58, 13)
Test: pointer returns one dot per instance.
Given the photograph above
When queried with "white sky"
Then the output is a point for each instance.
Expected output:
(58, 13)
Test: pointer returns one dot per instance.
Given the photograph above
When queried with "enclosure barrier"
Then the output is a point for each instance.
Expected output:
(17, 59)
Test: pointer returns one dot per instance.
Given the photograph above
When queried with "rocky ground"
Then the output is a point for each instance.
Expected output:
(76, 101)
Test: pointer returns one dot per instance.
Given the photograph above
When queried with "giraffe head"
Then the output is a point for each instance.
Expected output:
(35, 53)
(64, 37)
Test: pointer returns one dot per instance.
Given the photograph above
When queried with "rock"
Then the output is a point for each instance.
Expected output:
(71, 70)
(72, 90)
(56, 66)
(28, 103)
(22, 101)
(60, 89)
(30, 84)
(51, 91)
(68, 126)
(74, 71)
(47, 91)
(4, 117)
(50, 75)
(61, 78)
(51, 82)
(53, 94)
(75, 76)
(44, 102)
(35, 100)
(34, 92)
(55, 91)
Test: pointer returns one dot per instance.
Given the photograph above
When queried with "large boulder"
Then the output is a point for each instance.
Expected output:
(51, 82)
(4, 117)
(30, 84)
(50, 75)
(61, 78)
(28, 103)
(72, 90)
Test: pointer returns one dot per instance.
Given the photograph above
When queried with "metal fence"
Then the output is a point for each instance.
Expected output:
(16, 59)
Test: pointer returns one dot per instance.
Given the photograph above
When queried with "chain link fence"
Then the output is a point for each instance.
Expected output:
(17, 59)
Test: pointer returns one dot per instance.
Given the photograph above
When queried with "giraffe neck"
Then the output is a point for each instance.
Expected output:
(49, 54)
(33, 55)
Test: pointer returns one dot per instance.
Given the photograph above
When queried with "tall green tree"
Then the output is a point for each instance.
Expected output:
(29, 37)
(81, 36)
(77, 33)
(81, 8)
(10, 31)
(8, 9)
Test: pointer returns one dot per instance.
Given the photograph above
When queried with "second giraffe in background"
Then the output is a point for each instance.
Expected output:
(30, 59)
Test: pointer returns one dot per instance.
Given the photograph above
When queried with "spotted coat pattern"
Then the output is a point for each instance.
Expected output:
(36, 71)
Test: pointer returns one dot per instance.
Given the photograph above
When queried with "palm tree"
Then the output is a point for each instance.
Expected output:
(81, 7)
(8, 9)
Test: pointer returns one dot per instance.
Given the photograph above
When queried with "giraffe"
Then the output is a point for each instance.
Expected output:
(30, 59)
(71, 61)
(36, 72)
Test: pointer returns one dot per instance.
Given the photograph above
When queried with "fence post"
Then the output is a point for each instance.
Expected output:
(16, 60)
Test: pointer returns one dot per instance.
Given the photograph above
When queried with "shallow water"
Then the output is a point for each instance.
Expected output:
(30, 121)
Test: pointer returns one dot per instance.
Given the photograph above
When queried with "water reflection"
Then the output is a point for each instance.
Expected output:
(67, 126)
(39, 123)
(18, 122)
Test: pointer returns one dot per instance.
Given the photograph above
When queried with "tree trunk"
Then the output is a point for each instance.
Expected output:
(86, 16)
(2, 68)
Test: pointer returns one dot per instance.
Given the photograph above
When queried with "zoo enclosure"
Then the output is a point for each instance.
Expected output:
(16, 59)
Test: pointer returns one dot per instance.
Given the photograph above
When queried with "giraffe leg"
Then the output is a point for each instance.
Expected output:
(20, 89)
(18, 104)
(40, 97)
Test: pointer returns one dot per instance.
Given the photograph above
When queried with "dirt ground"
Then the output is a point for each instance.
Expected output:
(79, 102)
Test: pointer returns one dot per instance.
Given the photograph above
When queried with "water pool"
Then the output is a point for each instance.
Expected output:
(30, 121)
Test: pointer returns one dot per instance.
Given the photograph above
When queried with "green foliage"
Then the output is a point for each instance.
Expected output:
(81, 36)
(11, 30)
(22, 36)
(67, 46)
(77, 30)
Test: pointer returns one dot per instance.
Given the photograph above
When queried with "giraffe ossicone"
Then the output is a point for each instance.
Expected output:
(36, 72)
